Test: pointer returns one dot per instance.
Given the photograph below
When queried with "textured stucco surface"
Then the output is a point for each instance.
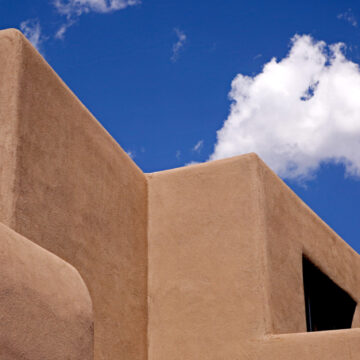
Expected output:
(226, 241)
(292, 229)
(201, 262)
(45, 307)
(206, 261)
(10, 52)
(329, 345)
(71, 189)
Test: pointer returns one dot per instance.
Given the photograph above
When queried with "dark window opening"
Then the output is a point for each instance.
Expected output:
(327, 306)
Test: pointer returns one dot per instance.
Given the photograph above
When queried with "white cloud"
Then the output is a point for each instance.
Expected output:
(192, 163)
(198, 146)
(178, 154)
(72, 9)
(349, 17)
(32, 30)
(178, 45)
(298, 112)
(131, 153)
(78, 7)
(63, 28)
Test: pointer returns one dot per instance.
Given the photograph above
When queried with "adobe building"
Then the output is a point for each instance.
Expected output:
(218, 261)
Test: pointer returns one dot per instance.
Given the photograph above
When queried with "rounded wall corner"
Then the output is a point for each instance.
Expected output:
(45, 307)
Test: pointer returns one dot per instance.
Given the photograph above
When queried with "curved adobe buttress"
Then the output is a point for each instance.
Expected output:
(45, 307)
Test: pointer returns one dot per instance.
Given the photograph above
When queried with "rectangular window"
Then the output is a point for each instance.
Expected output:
(328, 307)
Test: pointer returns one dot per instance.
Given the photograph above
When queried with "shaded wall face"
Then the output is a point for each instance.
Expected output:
(206, 265)
(9, 78)
(293, 230)
(78, 195)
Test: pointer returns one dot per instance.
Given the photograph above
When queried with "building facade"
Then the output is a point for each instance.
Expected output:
(217, 261)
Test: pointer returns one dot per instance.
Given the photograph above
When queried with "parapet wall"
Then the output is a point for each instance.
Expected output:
(68, 186)
(206, 261)
(226, 245)
(293, 230)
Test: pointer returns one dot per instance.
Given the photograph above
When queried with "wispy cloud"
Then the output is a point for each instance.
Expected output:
(73, 9)
(131, 153)
(177, 47)
(60, 33)
(198, 146)
(192, 163)
(348, 16)
(78, 7)
(178, 154)
(299, 112)
(32, 30)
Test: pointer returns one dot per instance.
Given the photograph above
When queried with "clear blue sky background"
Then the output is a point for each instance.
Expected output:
(119, 65)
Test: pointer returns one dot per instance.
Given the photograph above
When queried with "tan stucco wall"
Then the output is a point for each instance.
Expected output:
(206, 261)
(45, 307)
(201, 262)
(226, 241)
(293, 229)
(9, 81)
(71, 189)
(322, 345)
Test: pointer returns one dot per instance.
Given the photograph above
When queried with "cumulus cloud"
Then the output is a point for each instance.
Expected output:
(348, 16)
(178, 45)
(32, 30)
(72, 9)
(198, 146)
(297, 113)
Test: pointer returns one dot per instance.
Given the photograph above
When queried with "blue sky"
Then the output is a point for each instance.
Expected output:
(158, 74)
